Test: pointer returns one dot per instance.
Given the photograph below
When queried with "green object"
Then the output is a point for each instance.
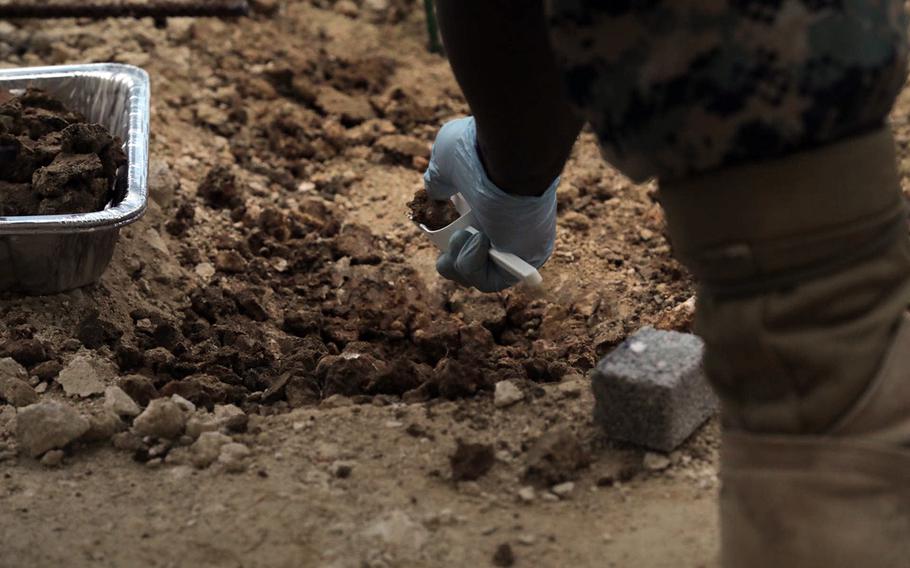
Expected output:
(435, 44)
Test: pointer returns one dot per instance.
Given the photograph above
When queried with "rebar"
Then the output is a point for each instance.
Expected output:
(157, 9)
(435, 44)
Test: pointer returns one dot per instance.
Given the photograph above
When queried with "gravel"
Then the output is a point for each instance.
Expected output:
(556, 457)
(652, 391)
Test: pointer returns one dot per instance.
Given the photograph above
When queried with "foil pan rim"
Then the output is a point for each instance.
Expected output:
(134, 203)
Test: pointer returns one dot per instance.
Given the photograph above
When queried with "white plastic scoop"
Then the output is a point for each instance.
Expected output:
(509, 262)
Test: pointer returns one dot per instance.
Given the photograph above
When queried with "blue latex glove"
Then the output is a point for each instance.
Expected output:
(524, 226)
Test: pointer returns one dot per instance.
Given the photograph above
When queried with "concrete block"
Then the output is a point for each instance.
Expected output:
(652, 391)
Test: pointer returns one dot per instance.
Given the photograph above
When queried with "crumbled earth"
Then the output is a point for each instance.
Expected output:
(52, 161)
(271, 373)
(434, 215)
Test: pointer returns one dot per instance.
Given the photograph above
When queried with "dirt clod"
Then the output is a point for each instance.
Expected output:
(434, 215)
(27, 352)
(139, 388)
(471, 461)
(504, 555)
(14, 388)
(220, 188)
(556, 457)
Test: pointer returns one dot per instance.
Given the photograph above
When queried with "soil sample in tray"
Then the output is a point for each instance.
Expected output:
(53, 161)
(433, 214)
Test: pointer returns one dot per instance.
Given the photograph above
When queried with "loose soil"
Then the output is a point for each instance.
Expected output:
(276, 270)
(52, 161)
(434, 215)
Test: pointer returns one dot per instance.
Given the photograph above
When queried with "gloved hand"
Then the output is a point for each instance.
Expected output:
(524, 226)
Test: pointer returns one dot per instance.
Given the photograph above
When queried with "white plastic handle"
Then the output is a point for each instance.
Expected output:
(514, 265)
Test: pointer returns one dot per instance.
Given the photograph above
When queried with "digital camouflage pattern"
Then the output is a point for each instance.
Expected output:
(677, 87)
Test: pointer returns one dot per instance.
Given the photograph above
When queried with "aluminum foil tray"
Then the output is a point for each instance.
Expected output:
(46, 254)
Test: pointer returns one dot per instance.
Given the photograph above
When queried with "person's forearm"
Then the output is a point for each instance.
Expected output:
(502, 60)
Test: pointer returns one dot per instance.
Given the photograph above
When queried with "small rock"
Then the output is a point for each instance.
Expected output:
(127, 441)
(507, 393)
(230, 261)
(48, 425)
(230, 418)
(347, 8)
(93, 332)
(336, 401)
(205, 270)
(53, 458)
(183, 403)
(47, 371)
(162, 182)
(679, 318)
(103, 426)
(402, 149)
(471, 461)
(351, 110)
(196, 425)
(120, 403)
(233, 457)
(207, 448)
(162, 419)
(656, 462)
(139, 388)
(527, 494)
(13, 386)
(399, 532)
(153, 240)
(527, 539)
(85, 376)
(7, 420)
(504, 555)
(563, 489)
(10, 368)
